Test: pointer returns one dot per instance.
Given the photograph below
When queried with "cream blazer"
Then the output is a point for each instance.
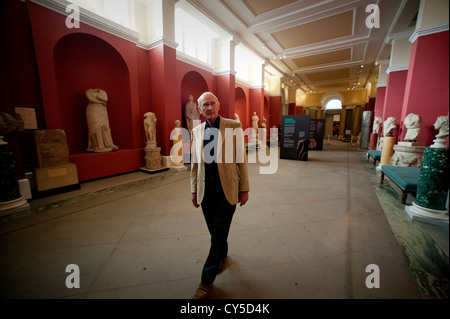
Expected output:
(233, 175)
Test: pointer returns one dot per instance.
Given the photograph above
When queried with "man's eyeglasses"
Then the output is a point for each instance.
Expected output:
(206, 104)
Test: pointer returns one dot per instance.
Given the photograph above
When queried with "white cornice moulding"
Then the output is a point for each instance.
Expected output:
(271, 94)
(259, 86)
(381, 85)
(225, 72)
(242, 82)
(194, 62)
(397, 68)
(156, 42)
(428, 30)
(91, 19)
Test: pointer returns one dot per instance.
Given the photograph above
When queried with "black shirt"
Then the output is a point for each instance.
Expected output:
(211, 136)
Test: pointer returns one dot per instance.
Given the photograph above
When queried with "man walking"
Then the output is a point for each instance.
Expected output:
(219, 181)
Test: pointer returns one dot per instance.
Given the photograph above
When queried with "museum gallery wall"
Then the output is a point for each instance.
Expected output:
(56, 65)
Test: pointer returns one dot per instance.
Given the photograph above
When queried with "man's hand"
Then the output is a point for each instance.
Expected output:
(194, 200)
(243, 198)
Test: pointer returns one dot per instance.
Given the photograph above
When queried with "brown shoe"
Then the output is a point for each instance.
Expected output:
(222, 266)
(203, 291)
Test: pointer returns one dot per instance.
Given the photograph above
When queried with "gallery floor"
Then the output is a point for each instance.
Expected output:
(309, 231)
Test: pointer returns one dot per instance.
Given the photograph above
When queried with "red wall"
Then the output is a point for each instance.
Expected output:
(379, 102)
(275, 111)
(225, 87)
(393, 101)
(242, 105)
(256, 104)
(19, 79)
(70, 61)
(267, 110)
(427, 85)
(291, 109)
(55, 65)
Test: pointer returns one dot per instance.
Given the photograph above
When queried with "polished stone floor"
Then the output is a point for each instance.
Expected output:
(309, 231)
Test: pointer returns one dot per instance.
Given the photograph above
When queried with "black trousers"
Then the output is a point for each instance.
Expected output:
(218, 213)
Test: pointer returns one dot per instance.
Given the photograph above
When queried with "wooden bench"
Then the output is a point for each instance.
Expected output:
(405, 178)
(375, 155)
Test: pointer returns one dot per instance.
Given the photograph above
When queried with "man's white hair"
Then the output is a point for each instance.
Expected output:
(200, 99)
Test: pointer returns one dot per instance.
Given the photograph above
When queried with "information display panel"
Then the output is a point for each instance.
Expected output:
(294, 137)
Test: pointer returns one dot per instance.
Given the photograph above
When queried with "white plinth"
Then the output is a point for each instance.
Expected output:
(426, 215)
(14, 206)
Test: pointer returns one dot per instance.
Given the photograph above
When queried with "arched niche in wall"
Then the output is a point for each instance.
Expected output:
(83, 62)
(241, 106)
(193, 84)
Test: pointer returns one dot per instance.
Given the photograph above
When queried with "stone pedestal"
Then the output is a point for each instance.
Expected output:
(55, 170)
(177, 159)
(432, 191)
(11, 201)
(388, 150)
(408, 154)
(264, 138)
(56, 177)
(380, 144)
(253, 138)
(153, 159)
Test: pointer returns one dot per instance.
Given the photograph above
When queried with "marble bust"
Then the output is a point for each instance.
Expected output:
(413, 124)
(389, 126)
(376, 125)
(100, 139)
(441, 124)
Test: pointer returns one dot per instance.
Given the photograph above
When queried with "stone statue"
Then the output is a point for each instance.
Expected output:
(253, 138)
(264, 124)
(389, 126)
(441, 124)
(100, 139)
(255, 120)
(152, 152)
(376, 125)
(150, 127)
(192, 114)
(236, 117)
(413, 124)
